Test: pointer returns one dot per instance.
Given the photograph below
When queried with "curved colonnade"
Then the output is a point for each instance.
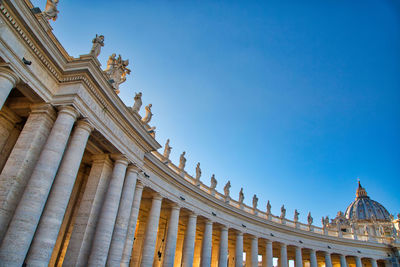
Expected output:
(82, 184)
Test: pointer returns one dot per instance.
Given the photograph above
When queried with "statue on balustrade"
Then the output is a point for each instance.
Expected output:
(326, 220)
(198, 171)
(138, 102)
(255, 201)
(213, 182)
(283, 212)
(98, 42)
(309, 219)
(51, 11)
(241, 196)
(227, 188)
(296, 215)
(182, 161)
(147, 118)
(167, 150)
(116, 71)
(268, 208)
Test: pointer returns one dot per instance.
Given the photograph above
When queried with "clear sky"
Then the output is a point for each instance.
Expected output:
(292, 100)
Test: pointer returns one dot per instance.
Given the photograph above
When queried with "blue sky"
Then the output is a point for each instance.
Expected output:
(292, 100)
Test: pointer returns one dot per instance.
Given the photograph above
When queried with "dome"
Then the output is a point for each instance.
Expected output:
(365, 209)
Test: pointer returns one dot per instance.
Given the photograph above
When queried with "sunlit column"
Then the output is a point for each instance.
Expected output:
(223, 247)
(343, 262)
(328, 260)
(254, 251)
(313, 258)
(188, 245)
(150, 236)
(358, 261)
(299, 258)
(205, 260)
(105, 225)
(124, 211)
(22, 227)
(53, 214)
(8, 80)
(374, 263)
(126, 255)
(268, 254)
(172, 234)
(283, 259)
(239, 250)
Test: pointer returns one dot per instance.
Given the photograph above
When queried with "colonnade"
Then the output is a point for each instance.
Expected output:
(111, 224)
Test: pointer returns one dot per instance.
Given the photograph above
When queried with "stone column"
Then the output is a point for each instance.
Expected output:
(172, 234)
(206, 245)
(254, 251)
(284, 259)
(358, 261)
(328, 260)
(239, 250)
(53, 215)
(374, 263)
(313, 258)
(268, 254)
(89, 211)
(124, 211)
(223, 247)
(188, 245)
(126, 255)
(150, 236)
(19, 235)
(299, 258)
(105, 225)
(9, 132)
(343, 262)
(8, 80)
(22, 160)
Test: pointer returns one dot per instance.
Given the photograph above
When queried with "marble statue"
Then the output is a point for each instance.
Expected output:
(323, 222)
(255, 201)
(51, 11)
(326, 220)
(268, 207)
(116, 71)
(182, 161)
(213, 182)
(98, 42)
(227, 188)
(309, 219)
(283, 212)
(241, 196)
(198, 171)
(167, 150)
(149, 115)
(296, 215)
(138, 102)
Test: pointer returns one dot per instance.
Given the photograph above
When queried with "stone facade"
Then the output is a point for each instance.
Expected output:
(82, 183)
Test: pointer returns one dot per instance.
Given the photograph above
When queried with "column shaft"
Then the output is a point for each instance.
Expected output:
(206, 245)
(188, 245)
(239, 250)
(53, 215)
(313, 258)
(8, 80)
(328, 260)
(89, 212)
(343, 262)
(22, 160)
(284, 260)
(358, 261)
(374, 263)
(150, 236)
(268, 253)
(124, 211)
(254, 252)
(223, 247)
(172, 234)
(126, 255)
(299, 258)
(105, 225)
(19, 235)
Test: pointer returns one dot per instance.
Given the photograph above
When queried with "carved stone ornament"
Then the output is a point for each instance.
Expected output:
(296, 215)
(268, 207)
(255, 201)
(283, 212)
(241, 196)
(116, 71)
(213, 182)
(98, 42)
(198, 171)
(138, 102)
(147, 118)
(227, 188)
(182, 161)
(167, 150)
(309, 219)
(51, 11)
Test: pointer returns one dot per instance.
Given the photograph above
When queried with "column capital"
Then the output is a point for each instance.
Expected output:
(283, 244)
(192, 215)
(156, 196)
(175, 206)
(120, 159)
(267, 241)
(69, 110)
(224, 227)
(45, 109)
(85, 125)
(139, 184)
(208, 221)
(238, 233)
(133, 168)
(100, 158)
(9, 75)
